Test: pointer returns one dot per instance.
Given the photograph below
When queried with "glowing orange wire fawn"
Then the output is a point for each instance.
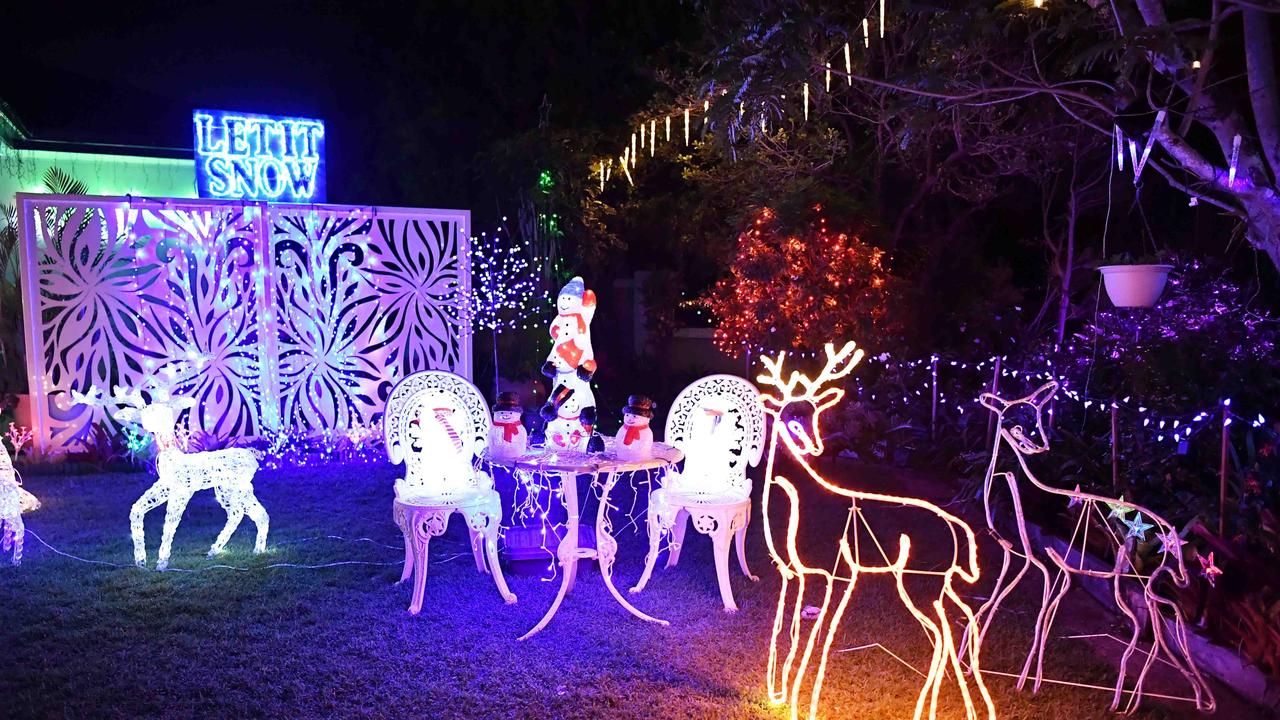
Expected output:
(795, 411)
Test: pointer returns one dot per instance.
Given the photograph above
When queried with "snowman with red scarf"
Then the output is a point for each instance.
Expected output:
(570, 410)
(634, 440)
(507, 436)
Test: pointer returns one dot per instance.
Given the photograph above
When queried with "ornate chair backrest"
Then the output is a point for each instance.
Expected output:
(420, 396)
(715, 417)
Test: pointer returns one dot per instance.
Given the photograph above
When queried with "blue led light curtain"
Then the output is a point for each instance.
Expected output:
(271, 316)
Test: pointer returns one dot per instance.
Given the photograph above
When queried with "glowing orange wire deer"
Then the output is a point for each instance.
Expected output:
(795, 413)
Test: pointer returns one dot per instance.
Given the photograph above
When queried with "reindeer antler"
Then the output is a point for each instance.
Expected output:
(129, 397)
(849, 354)
(774, 375)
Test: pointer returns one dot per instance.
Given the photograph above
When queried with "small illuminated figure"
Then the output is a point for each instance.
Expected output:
(508, 438)
(634, 440)
(1119, 523)
(570, 410)
(12, 531)
(794, 654)
(229, 473)
(718, 423)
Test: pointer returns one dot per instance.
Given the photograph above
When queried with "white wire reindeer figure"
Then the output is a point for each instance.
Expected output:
(1021, 430)
(12, 530)
(796, 431)
(229, 473)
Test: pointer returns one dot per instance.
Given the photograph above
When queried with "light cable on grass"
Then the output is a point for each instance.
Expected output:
(272, 566)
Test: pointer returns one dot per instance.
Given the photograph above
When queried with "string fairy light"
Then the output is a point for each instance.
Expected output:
(686, 126)
(796, 430)
(667, 121)
(848, 66)
(806, 102)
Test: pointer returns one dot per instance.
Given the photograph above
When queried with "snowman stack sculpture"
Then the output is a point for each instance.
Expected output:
(635, 440)
(507, 436)
(570, 410)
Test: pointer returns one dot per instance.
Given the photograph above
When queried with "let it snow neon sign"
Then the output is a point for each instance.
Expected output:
(241, 156)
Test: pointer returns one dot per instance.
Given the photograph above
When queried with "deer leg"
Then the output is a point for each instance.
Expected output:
(1050, 615)
(1133, 639)
(974, 650)
(677, 537)
(814, 632)
(234, 507)
(1178, 650)
(155, 495)
(949, 648)
(777, 685)
(833, 625)
(19, 532)
(172, 516)
(258, 515)
(937, 664)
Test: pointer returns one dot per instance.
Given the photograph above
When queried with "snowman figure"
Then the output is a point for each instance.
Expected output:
(571, 332)
(634, 440)
(570, 410)
(572, 426)
(507, 437)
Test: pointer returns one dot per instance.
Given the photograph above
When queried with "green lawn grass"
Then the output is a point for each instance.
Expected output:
(87, 640)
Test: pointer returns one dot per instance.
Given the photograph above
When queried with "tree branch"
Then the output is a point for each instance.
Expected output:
(1263, 93)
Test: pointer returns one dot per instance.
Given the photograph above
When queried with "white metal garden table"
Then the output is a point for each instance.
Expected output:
(565, 467)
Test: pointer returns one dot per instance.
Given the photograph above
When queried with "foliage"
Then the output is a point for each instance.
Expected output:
(799, 286)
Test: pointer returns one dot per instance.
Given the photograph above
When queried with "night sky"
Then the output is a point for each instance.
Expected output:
(410, 91)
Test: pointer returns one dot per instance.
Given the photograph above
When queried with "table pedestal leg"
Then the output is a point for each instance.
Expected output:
(607, 551)
(566, 552)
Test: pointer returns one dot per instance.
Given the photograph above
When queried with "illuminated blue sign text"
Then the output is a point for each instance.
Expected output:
(258, 157)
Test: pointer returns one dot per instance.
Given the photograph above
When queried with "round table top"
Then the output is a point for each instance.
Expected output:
(556, 460)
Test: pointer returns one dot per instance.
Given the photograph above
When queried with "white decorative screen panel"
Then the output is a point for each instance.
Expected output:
(271, 316)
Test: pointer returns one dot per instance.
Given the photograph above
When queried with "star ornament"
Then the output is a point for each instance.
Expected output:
(1119, 510)
(1210, 571)
(1170, 541)
(1137, 528)
(1075, 498)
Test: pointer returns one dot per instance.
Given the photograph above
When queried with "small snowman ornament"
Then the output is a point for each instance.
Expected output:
(634, 440)
(507, 437)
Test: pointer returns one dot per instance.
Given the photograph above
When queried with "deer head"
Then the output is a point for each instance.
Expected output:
(1022, 420)
(801, 400)
(157, 417)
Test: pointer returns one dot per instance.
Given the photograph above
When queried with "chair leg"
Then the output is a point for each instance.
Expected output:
(677, 537)
(490, 540)
(419, 574)
(477, 549)
(401, 517)
(740, 539)
(721, 540)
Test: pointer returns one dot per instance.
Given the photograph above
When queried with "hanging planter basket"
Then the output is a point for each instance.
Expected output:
(1134, 285)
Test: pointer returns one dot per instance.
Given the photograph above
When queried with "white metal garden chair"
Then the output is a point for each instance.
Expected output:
(436, 423)
(718, 422)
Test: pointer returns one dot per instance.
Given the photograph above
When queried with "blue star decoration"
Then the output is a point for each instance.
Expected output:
(1137, 528)
(1119, 510)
